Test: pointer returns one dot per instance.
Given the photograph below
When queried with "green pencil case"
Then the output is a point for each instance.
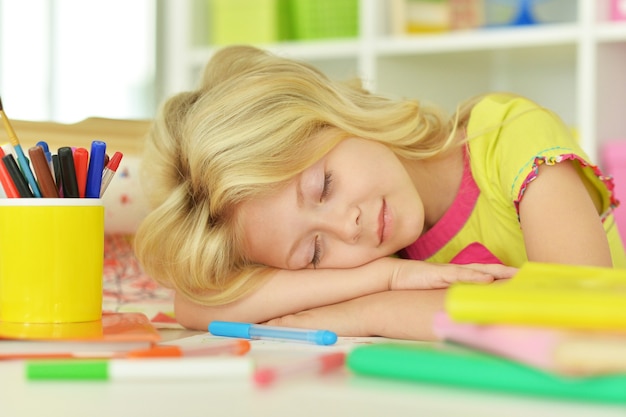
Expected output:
(454, 365)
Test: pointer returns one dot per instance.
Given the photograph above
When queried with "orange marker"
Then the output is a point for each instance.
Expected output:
(227, 347)
(81, 162)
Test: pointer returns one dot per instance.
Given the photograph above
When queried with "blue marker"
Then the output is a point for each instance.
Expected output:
(94, 171)
(259, 331)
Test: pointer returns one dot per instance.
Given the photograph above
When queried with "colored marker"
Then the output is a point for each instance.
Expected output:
(96, 167)
(16, 175)
(21, 159)
(68, 172)
(46, 183)
(110, 171)
(434, 363)
(321, 364)
(190, 369)
(57, 174)
(47, 153)
(226, 347)
(5, 179)
(81, 161)
(260, 331)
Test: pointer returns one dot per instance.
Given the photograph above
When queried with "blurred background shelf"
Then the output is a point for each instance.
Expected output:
(576, 65)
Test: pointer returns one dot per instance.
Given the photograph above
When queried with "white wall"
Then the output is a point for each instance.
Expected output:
(65, 60)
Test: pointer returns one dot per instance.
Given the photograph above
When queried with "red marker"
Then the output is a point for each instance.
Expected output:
(81, 162)
(319, 364)
(109, 171)
(5, 179)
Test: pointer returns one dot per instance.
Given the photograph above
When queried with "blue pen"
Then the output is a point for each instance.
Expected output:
(260, 331)
(94, 171)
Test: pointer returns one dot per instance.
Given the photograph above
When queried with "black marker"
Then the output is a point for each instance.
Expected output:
(17, 177)
(68, 172)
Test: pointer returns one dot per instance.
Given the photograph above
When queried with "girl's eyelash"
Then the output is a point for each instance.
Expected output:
(328, 179)
(316, 253)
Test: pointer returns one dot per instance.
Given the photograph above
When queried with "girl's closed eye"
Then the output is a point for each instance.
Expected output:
(317, 252)
(328, 179)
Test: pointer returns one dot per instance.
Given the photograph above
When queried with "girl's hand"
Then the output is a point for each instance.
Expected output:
(414, 275)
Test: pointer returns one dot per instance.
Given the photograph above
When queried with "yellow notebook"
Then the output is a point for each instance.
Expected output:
(548, 295)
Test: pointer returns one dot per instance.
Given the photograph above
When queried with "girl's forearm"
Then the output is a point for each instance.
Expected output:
(394, 314)
(404, 314)
(288, 292)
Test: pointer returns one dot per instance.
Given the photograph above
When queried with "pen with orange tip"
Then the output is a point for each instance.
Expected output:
(227, 347)
(21, 158)
(221, 348)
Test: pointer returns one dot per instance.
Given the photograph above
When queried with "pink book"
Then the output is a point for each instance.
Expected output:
(557, 350)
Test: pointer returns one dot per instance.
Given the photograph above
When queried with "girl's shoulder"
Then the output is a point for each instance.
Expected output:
(500, 107)
(510, 125)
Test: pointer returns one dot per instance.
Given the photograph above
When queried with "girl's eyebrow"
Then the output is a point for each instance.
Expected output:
(299, 193)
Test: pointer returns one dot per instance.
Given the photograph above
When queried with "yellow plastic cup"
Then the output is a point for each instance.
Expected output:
(51, 259)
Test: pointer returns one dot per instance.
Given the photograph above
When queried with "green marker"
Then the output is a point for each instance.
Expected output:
(453, 365)
(200, 368)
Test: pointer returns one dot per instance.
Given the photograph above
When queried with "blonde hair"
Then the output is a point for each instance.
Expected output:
(251, 126)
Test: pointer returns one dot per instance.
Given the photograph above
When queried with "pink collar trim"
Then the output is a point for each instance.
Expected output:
(452, 221)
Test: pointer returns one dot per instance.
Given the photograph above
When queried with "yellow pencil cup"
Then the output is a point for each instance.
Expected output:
(51, 260)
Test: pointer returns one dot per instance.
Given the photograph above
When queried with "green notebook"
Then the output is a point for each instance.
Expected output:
(453, 365)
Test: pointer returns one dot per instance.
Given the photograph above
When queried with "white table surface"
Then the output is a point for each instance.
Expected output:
(336, 394)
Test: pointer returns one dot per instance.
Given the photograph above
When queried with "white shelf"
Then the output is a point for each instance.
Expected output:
(479, 40)
(577, 68)
(611, 32)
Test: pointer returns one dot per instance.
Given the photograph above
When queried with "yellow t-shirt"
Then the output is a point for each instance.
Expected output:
(509, 137)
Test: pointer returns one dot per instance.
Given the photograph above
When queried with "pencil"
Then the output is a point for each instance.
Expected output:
(21, 158)
(16, 175)
(40, 164)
